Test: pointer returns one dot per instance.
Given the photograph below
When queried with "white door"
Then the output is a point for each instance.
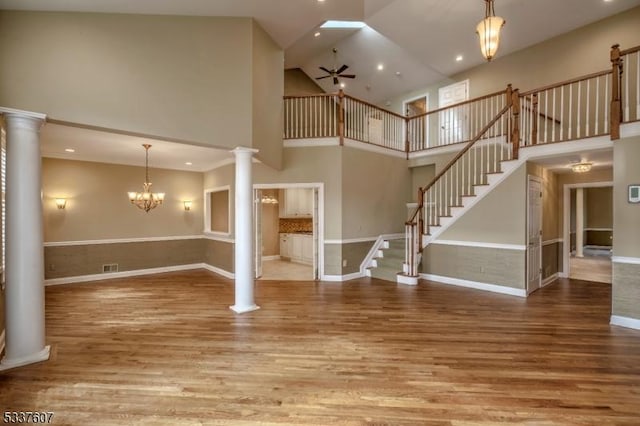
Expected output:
(257, 231)
(454, 122)
(534, 235)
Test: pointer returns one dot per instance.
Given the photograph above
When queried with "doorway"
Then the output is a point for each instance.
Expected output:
(534, 234)
(288, 225)
(414, 107)
(588, 230)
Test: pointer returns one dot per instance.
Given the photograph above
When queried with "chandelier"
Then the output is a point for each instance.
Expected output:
(581, 167)
(489, 31)
(146, 200)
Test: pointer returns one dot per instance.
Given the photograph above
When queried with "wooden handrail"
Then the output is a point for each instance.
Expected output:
(567, 82)
(490, 95)
(463, 151)
(312, 95)
(630, 51)
(375, 106)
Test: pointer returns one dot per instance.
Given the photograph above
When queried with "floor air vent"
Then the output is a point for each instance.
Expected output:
(111, 267)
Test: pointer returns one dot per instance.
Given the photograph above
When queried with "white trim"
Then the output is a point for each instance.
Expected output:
(406, 279)
(218, 237)
(43, 355)
(121, 241)
(480, 245)
(29, 114)
(365, 239)
(549, 279)
(310, 143)
(538, 281)
(625, 322)
(628, 130)
(626, 260)
(207, 210)
(368, 260)
(554, 241)
(451, 148)
(364, 146)
(135, 273)
(599, 229)
(218, 271)
(267, 258)
(341, 278)
(2, 341)
(494, 288)
(566, 217)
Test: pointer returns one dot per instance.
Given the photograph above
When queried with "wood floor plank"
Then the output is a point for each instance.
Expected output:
(166, 350)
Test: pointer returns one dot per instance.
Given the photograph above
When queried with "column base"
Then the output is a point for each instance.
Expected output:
(8, 364)
(244, 309)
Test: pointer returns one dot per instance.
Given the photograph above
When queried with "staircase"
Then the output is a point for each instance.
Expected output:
(389, 260)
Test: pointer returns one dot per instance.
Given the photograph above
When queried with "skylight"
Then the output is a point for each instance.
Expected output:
(343, 24)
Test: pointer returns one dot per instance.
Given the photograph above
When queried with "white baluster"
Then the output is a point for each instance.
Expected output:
(570, 111)
(597, 106)
(586, 119)
(578, 107)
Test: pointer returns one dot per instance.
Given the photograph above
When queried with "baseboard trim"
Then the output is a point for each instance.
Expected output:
(342, 278)
(135, 273)
(8, 364)
(550, 279)
(494, 288)
(219, 271)
(625, 322)
(267, 258)
(626, 260)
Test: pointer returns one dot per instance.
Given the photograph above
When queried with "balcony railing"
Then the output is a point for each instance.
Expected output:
(587, 106)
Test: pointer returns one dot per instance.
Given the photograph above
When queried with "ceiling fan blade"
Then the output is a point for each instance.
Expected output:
(335, 81)
(347, 76)
(325, 70)
(342, 69)
(320, 78)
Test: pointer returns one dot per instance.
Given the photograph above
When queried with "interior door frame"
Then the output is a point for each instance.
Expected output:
(426, 122)
(318, 249)
(532, 178)
(566, 221)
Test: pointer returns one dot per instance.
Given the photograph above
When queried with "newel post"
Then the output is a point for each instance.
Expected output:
(406, 136)
(616, 91)
(421, 226)
(341, 116)
(509, 101)
(515, 134)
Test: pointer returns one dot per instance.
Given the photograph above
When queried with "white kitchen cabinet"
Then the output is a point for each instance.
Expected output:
(298, 202)
(297, 247)
(285, 245)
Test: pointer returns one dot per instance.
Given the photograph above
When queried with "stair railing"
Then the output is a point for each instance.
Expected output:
(468, 168)
(629, 82)
(312, 116)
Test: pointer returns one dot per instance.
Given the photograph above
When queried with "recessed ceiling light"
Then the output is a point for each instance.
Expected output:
(317, 34)
(380, 67)
(320, 1)
(459, 58)
(69, 150)
(343, 24)
(189, 163)
(342, 85)
(398, 73)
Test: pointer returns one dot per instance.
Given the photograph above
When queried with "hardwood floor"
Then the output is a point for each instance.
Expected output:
(166, 350)
(591, 268)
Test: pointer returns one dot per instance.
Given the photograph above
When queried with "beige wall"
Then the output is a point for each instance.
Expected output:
(296, 82)
(270, 225)
(375, 190)
(219, 202)
(205, 80)
(268, 89)
(626, 216)
(500, 217)
(421, 176)
(599, 207)
(569, 55)
(551, 217)
(98, 206)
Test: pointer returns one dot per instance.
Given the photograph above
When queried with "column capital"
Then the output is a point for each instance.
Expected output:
(26, 118)
(244, 150)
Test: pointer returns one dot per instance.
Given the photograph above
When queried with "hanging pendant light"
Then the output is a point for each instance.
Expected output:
(146, 200)
(489, 31)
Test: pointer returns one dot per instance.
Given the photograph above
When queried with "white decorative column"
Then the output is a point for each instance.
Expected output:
(244, 301)
(579, 222)
(24, 295)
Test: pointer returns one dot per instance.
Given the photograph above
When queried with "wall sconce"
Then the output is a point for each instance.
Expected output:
(187, 205)
(61, 203)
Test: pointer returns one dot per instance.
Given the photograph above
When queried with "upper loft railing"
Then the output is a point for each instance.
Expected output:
(587, 106)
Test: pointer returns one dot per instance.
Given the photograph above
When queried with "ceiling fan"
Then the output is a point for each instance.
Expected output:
(335, 73)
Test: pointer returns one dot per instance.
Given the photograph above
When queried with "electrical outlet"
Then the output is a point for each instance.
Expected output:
(344, 262)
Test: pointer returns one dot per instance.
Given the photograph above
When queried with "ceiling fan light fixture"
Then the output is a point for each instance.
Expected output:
(488, 31)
